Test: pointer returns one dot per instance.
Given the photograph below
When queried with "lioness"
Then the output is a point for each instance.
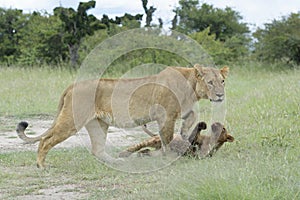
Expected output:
(197, 145)
(97, 104)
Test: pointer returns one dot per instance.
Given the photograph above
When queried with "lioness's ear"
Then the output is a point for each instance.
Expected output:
(200, 69)
(224, 71)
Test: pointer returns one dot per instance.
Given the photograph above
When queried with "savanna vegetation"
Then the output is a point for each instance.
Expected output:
(66, 36)
(40, 54)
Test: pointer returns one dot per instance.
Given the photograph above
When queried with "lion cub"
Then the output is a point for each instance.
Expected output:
(198, 145)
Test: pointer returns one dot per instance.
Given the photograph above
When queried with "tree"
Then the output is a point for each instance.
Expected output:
(279, 40)
(90, 42)
(11, 22)
(76, 25)
(223, 24)
(130, 21)
(43, 44)
(123, 23)
(161, 23)
(219, 52)
(107, 21)
(149, 13)
(174, 21)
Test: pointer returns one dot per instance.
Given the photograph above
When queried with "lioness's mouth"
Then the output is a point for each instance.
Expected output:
(218, 100)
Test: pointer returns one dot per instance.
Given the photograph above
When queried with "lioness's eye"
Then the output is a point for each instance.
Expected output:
(223, 82)
(210, 82)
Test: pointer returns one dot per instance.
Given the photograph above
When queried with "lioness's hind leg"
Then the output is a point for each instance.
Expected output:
(188, 121)
(97, 130)
(56, 134)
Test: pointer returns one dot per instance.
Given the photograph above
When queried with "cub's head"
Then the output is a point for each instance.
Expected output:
(207, 145)
(210, 82)
(220, 134)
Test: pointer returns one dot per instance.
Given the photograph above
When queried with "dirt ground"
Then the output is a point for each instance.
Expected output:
(9, 141)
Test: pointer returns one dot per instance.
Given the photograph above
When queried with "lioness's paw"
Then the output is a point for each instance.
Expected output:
(109, 159)
(124, 154)
(41, 166)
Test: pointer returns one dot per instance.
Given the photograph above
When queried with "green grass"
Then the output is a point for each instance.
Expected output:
(263, 112)
(229, 175)
(30, 91)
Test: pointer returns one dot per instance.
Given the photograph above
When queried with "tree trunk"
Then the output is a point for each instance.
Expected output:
(73, 51)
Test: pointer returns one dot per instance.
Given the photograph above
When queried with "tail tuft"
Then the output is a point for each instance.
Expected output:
(21, 127)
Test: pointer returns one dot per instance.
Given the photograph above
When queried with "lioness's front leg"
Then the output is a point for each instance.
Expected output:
(166, 131)
(188, 120)
(97, 130)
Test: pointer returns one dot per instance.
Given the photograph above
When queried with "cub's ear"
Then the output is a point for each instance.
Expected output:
(224, 71)
(229, 138)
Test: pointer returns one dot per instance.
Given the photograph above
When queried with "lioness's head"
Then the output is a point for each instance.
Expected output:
(211, 82)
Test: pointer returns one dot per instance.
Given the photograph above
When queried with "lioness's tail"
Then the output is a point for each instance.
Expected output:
(20, 130)
(23, 125)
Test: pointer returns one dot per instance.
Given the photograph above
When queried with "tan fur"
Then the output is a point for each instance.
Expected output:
(200, 145)
(97, 104)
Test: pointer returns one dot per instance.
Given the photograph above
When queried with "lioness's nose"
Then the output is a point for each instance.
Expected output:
(219, 95)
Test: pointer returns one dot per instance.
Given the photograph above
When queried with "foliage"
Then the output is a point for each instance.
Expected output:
(215, 48)
(56, 39)
(44, 44)
(76, 25)
(223, 24)
(123, 23)
(88, 43)
(279, 40)
(239, 47)
(231, 50)
(69, 35)
(12, 21)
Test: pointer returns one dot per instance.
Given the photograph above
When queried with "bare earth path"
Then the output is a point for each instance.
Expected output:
(9, 140)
